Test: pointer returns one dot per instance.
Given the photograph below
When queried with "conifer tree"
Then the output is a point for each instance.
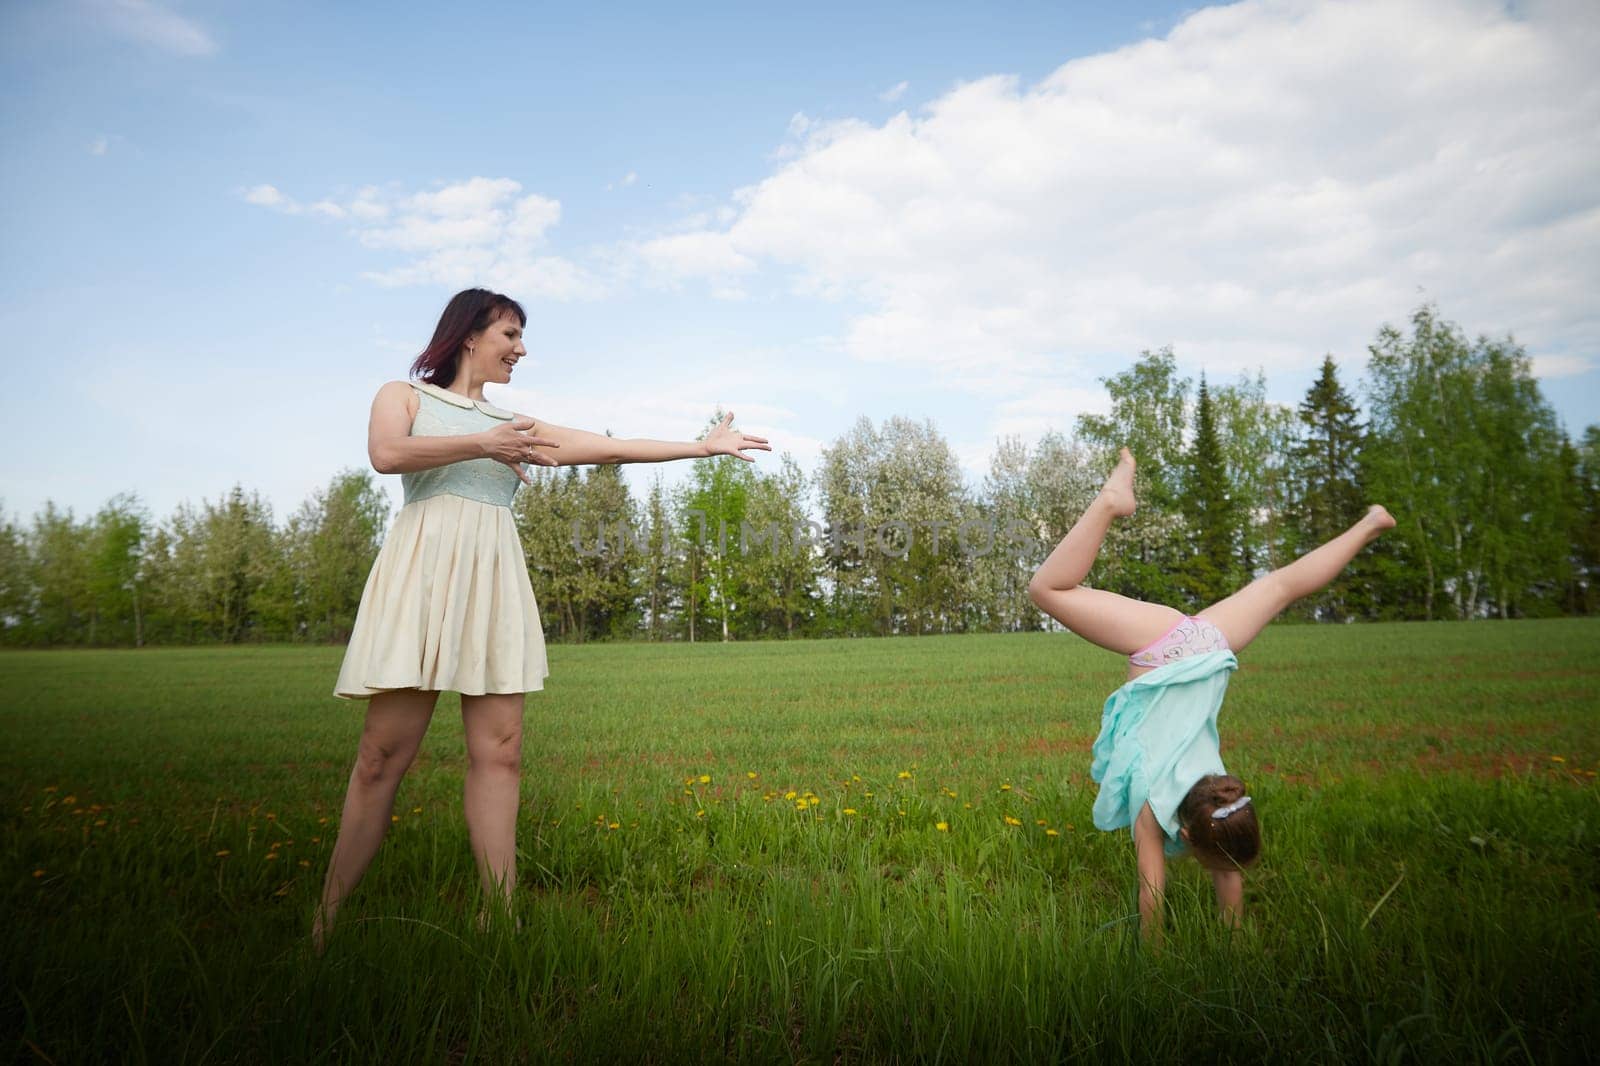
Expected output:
(1327, 463)
(1208, 509)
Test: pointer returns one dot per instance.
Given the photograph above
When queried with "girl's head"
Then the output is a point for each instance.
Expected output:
(467, 318)
(1219, 823)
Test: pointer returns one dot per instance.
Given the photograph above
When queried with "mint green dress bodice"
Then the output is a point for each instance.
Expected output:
(443, 413)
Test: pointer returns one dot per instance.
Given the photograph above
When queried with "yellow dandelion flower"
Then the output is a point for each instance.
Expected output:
(322, 821)
(1070, 826)
(869, 794)
(968, 806)
(700, 813)
(416, 810)
(791, 794)
(849, 810)
(271, 817)
(1557, 758)
(1013, 821)
(69, 799)
(1040, 821)
(1006, 787)
(1051, 833)
(904, 775)
(39, 872)
(269, 856)
(902, 814)
(394, 818)
(613, 825)
(305, 862)
(751, 774)
(855, 777)
(316, 840)
(705, 779)
(100, 821)
(943, 827)
(800, 804)
(224, 853)
(688, 792)
(51, 788)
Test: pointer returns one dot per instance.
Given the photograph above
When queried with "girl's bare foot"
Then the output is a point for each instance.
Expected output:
(1379, 518)
(1117, 492)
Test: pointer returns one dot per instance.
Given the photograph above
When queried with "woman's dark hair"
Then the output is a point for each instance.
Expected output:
(1220, 842)
(469, 311)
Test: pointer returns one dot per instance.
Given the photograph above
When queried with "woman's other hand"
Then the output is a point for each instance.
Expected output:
(511, 443)
(725, 440)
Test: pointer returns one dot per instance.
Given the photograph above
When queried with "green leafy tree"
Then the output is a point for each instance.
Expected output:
(659, 596)
(779, 564)
(16, 591)
(115, 577)
(331, 543)
(60, 554)
(1144, 555)
(1468, 451)
(713, 504)
(1583, 460)
(1257, 438)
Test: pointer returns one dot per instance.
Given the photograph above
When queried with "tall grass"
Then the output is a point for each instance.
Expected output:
(1429, 891)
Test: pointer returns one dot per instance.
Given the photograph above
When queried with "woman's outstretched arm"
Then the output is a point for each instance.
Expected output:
(579, 447)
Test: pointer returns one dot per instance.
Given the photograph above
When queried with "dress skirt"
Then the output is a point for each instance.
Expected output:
(448, 606)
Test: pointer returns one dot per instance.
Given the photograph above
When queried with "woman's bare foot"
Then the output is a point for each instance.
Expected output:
(1379, 517)
(1117, 492)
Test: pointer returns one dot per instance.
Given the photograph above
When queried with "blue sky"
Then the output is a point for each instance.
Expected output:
(228, 223)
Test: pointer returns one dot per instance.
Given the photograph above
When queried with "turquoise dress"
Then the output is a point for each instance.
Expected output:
(1158, 736)
(448, 604)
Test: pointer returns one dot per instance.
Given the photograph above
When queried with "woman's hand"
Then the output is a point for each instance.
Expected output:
(725, 440)
(510, 443)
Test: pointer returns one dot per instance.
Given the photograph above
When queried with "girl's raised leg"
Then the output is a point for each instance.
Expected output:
(1247, 612)
(1114, 622)
(396, 722)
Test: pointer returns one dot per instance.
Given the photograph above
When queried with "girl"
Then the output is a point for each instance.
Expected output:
(1157, 759)
(448, 604)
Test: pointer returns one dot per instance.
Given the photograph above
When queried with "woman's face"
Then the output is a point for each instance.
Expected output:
(494, 352)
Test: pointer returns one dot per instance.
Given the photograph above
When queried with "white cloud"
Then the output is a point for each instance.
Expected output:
(479, 231)
(99, 146)
(623, 182)
(154, 25)
(894, 92)
(1561, 366)
(268, 196)
(1272, 180)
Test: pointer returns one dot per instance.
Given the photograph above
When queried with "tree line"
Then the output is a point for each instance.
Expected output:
(1498, 509)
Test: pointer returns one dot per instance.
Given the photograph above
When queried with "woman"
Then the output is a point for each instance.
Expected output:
(448, 604)
(1157, 758)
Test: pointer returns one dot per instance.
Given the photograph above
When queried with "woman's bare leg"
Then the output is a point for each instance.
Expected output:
(493, 725)
(396, 722)
(1247, 612)
(1116, 623)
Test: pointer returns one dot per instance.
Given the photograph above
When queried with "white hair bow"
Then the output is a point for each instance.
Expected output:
(1237, 805)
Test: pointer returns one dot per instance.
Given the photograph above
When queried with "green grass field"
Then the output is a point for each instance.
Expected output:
(1429, 888)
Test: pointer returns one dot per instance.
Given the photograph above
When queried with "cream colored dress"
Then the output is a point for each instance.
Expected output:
(448, 605)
